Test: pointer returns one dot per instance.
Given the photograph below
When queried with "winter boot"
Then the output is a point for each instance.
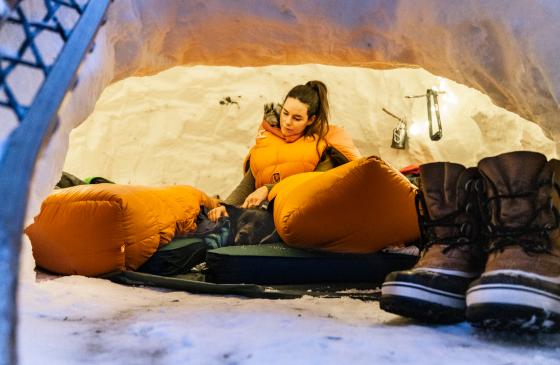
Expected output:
(452, 256)
(520, 288)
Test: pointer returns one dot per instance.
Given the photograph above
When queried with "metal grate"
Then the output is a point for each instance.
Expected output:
(42, 44)
(31, 37)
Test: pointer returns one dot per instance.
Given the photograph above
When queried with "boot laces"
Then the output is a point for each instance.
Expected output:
(531, 238)
(427, 224)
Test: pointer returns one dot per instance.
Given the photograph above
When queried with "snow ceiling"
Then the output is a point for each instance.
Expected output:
(506, 49)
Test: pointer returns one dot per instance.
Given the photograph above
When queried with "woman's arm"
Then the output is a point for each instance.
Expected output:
(247, 184)
(331, 158)
(237, 196)
(240, 193)
(325, 164)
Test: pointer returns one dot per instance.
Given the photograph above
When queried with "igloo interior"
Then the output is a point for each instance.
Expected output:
(147, 111)
(365, 45)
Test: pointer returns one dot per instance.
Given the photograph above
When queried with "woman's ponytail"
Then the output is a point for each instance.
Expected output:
(322, 109)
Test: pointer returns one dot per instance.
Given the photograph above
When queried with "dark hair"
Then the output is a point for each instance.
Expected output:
(314, 95)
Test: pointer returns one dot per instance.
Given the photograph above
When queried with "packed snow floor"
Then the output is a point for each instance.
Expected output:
(79, 320)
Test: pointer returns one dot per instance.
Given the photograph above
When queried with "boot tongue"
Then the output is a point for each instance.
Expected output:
(439, 185)
(513, 183)
(443, 186)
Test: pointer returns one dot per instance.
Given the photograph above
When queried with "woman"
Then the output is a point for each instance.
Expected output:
(304, 142)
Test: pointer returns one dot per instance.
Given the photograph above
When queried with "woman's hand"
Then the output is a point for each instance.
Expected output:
(217, 212)
(256, 197)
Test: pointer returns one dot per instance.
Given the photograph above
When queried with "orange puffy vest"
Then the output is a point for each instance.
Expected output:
(273, 159)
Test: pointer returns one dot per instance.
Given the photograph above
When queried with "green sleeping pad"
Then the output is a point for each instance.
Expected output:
(280, 264)
(265, 271)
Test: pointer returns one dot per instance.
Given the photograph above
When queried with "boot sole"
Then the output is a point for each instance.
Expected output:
(420, 310)
(509, 306)
(422, 303)
(508, 317)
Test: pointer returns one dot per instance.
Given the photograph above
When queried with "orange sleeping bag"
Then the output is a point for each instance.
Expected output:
(96, 229)
(359, 207)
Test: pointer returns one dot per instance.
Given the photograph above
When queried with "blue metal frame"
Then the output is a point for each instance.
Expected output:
(31, 30)
(37, 122)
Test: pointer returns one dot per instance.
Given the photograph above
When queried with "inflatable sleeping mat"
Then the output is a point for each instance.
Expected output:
(267, 271)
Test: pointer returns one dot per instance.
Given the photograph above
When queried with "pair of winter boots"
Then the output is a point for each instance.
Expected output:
(491, 246)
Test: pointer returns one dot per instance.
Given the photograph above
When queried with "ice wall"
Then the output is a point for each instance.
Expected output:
(195, 125)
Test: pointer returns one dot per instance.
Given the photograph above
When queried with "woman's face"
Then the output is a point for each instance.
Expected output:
(293, 118)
